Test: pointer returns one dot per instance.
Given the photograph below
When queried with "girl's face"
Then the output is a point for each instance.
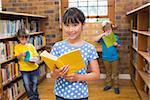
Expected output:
(108, 30)
(73, 30)
(23, 40)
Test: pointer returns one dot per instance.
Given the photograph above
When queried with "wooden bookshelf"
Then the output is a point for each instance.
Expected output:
(6, 37)
(139, 19)
(145, 55)
(38, 32)
(21, 14)
(138, 9)
(142, 32)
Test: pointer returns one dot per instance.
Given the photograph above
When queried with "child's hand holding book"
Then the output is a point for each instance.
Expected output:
(60, 72)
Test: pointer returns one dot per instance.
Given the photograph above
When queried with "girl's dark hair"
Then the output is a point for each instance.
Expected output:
(73, 15)
(22, 33)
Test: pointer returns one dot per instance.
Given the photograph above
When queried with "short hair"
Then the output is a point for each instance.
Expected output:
(107, 25)
(73, 15)
(22, 33)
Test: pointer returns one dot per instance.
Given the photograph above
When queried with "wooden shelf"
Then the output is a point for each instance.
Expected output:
(10, 37)
(146, 77)
(135, 48)
(142, 32)
(135, 65)
(10, 81)
(20, 95)
(22, 14)
(143, 95)
(7, 37)
(138, 9)
(35, 33)
(7, 60)
(145, 55)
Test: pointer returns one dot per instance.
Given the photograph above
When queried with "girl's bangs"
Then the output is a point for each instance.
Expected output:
(71, 20)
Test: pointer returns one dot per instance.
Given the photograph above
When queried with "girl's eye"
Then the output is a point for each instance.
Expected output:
(75, 24)
(67, 25)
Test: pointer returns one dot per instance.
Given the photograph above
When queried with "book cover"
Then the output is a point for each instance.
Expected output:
(72, 58)
(109, 40)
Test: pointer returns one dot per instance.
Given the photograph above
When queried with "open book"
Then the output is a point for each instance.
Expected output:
(72, 58)
(109, 40)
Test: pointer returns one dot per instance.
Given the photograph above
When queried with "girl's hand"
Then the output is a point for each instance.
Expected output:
(60, 72)
(73, 77)
(115, 44)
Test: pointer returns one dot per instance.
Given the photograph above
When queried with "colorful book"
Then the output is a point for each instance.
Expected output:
(72, 58)
(109, 40)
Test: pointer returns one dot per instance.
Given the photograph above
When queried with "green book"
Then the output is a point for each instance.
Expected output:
(109, 40)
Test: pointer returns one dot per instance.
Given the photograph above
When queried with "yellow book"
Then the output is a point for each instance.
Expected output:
(72, 58)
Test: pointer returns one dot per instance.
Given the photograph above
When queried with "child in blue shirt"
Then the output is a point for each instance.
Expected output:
(110, 58)
(74, 86)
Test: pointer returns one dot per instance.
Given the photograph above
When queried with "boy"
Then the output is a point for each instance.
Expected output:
(29, 69)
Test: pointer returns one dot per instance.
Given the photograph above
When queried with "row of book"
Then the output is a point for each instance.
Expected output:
(14, 90)
(9, 72)
(135, 40)
(10, 27)
(38, 41)
(6, 50)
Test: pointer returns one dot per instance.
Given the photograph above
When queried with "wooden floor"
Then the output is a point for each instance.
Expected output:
(96, 92)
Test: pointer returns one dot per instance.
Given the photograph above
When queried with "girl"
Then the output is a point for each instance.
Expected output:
(74, 86)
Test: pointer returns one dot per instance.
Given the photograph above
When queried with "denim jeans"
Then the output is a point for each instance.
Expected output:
(60, 98)
(30, 80)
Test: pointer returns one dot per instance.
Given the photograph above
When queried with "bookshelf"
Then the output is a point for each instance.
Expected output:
(10, 77)
(140, 49)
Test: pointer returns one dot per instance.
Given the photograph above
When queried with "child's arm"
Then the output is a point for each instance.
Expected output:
(93, 75)
(99, 37)
(118, 42)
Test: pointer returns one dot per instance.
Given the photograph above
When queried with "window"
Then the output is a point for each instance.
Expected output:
(90, 6)
(94, 10)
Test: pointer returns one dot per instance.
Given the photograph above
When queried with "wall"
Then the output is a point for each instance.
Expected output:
(51, 9)
(121, 8)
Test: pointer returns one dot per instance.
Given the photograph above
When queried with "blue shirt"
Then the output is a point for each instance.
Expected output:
(111, 53)
(79, 89)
